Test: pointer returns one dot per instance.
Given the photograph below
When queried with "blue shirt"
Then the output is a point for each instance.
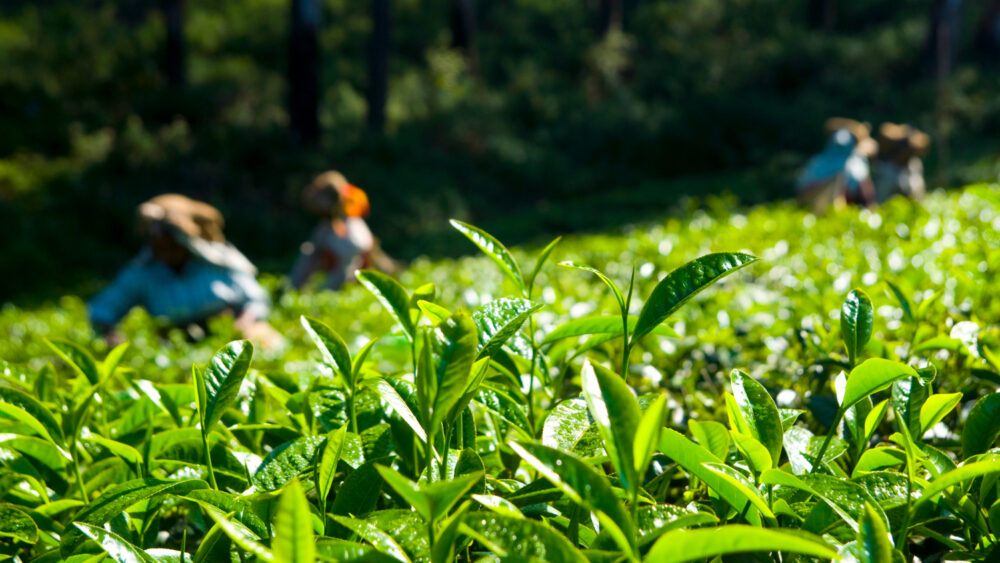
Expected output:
(199, 291)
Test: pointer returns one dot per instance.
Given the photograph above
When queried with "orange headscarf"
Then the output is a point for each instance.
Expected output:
(330, 194)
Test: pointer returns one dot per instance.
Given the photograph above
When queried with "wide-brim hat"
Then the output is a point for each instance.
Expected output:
(331, 194)
(904, 138)
(859, 130)
(195, 225)
(191, 217)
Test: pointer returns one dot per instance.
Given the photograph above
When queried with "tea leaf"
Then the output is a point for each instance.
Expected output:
(223, 378)
(391, 295)
(982, 427)
(856, 320)
(691, 545)
(616, 413)
(682, 284)
(760, 412)
(492, 248)
(332, 346)
(872, 376)
(114, 545)
(293, 528)
(519, 539)
(17, 524)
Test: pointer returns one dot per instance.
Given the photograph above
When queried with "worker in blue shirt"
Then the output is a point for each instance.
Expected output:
(186, 273)
(841, 172)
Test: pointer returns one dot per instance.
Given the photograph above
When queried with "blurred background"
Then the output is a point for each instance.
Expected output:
(526, 117)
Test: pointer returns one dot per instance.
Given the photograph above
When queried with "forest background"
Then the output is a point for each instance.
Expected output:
(528, 117)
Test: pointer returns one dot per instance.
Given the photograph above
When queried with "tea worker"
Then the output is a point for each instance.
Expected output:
(899, 168)
(341, 242)
(186, 273)
(840, 173)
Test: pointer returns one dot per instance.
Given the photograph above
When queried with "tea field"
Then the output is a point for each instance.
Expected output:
(750, 384)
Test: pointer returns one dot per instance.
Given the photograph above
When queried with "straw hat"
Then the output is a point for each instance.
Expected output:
(191, 217)
(194, 224)
(331, 194)
(861, 132)
(902, 141)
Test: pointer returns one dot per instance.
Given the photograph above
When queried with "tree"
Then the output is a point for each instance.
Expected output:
(462, 18)
(943, 36)
(303, 71)
(610, 17)
(173, 60)
(822, 14)
(988, 31)
(378, 65)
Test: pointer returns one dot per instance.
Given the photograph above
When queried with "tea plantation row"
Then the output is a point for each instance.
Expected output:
(740, 383)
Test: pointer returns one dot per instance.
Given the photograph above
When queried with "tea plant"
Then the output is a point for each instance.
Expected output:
(831, 423)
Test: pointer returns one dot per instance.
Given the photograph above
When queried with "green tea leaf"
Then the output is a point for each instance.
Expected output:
(936, 407)
(754, 452)
(77, 358)
(326, 469)
(499, 320)
(908, 396)
(235, 531)
(17, 524)
(455, 347)
(616, 413)
(124, 451)
(286, 462)
(955, 477)
(398, 404)
(693, 458)
(371, 534)
(874, 542)
(293, 528)
(759, 411)
(492, 248)
(542, 257)
(712, 436)
(343, 551)
(332, 346)
(114, 545)
(360, 492)
(391, 295)
(606, 325)
(519, 539)
(982, 426)
(692, 545)
(118, 498)
(647, 435)
(223, 378)
(607, 281)
(682, 284)
(583, 486)
(857, 318)
(31, 412)
(872, 376)
(236, 507)
(778, 477)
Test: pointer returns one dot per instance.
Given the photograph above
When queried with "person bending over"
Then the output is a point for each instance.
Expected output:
(186, 273)
(341, 243)
(840, 173)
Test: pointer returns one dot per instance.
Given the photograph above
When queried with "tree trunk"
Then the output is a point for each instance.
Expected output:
(378, 65)
(610, 17)
(943, 36)
(988, 31)
(303, 71)
(462, 17)
(173, 60)
(822, 14)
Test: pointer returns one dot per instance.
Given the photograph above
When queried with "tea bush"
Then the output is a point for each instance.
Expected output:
(740, 381)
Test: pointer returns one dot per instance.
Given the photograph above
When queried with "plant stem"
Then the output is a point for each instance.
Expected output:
(354, 412)
(531, 378)
(208, 460)
(79, 477)
(826, 442)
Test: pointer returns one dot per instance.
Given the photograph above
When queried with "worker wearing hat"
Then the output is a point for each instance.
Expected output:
(899, 166)
(186, 273)
(341, 243)
(840, 173)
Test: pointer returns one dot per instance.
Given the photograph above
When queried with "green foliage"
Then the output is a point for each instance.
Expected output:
(744, 424)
